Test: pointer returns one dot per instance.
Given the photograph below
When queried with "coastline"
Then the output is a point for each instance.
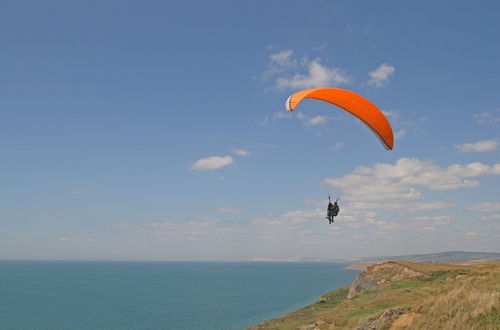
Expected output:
(397, 293)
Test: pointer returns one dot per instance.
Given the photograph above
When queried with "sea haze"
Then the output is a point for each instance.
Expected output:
(158, 295)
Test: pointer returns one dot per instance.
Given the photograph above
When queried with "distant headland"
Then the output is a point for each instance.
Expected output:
(449, 256)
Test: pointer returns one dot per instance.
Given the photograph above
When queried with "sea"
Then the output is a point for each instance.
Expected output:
(159, 295)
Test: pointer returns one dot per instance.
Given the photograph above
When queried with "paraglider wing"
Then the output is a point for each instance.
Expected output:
(353, 103)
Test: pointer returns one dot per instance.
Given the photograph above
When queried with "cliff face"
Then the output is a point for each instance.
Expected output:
(378, 274)
(406, 295)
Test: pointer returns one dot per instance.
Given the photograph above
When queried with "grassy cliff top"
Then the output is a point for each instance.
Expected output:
(406, 295)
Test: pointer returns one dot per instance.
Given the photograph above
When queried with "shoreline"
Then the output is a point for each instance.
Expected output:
(345, 308)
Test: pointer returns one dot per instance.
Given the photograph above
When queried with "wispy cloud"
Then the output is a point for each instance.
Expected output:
(266, 235)
(183, 231)
(480, 146)
(375, 201)
(484, 207)
(276, 116)
(491, 118)
(424, 206)
(211, 163)
(241, 152)
(293, 233)
(316, 120)
(264, 122)
(292, 73)
(427, 223)
(403, 126)
(228, 210)
(337, 146)
(282, 59)
(380, 76)
(490, 218)
(402, 206)
(399, 134)
(435, 221)
(279, 63)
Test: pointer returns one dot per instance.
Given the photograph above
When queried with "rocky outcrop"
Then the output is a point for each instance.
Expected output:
(387, 316)
(320, 324)
(378, 274)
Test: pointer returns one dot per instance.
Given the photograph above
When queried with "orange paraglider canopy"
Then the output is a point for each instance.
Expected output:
(351, 102)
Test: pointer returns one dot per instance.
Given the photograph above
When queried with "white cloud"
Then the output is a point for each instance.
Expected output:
(401, 207)
(490, 218)
(276, 116)
(211, 163)
(265, 122)
(282, 115)
(337, 146)
(491, 118)
(380, 76)
(416, 206)
(356, 219)
(241, 152)
(301, 116)
(228, 210)
(398, 182)
(400, 134)
(282, 59)
(484, 207)
(75, 191)
(317, 75)
(426, 206)
(480, 146)
(292, 73)
(316, 120)
(279, 63)
(390, 114)
(434, 221)
(403, 126)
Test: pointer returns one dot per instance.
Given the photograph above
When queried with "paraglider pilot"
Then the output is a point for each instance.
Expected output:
(332, 211)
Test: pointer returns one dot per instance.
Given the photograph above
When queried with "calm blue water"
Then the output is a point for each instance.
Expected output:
(158, 295)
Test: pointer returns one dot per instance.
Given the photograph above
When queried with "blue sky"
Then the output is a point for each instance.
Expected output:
(154, 130)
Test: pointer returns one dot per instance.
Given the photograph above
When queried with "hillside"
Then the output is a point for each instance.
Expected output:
(449, 256)
(406, 295)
